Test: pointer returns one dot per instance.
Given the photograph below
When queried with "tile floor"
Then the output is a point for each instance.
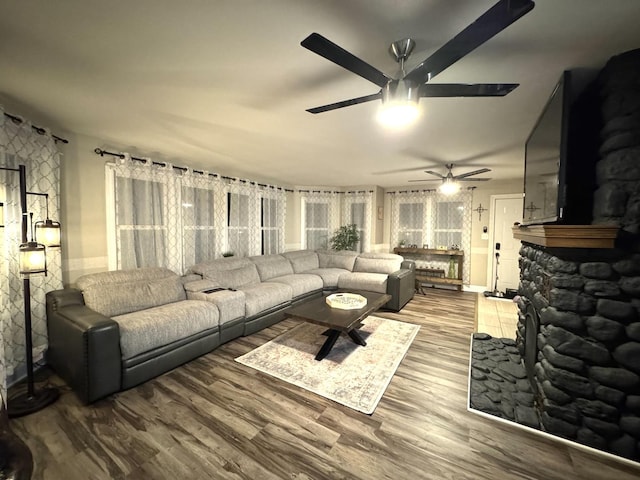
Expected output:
(496, 316)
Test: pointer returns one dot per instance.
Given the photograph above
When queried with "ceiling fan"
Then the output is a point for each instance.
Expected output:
(450, 181)
(406, 90)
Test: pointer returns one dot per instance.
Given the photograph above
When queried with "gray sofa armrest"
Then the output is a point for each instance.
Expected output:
(401, 286)
(84, 346)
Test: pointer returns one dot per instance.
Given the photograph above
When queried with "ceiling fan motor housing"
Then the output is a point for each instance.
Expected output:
(401, 91)
(401, 49)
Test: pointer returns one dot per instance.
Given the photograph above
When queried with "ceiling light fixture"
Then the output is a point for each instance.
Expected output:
(449, 186)
(400, 97)
(399, 104)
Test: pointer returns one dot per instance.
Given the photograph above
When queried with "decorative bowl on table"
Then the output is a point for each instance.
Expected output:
(346, 301)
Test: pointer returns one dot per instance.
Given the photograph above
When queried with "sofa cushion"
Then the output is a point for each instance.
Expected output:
(336, 259)
(378, 263)
(158, 326)
(300, 283)
(302, 260)
(329, 276)
(124, 291)
(270, 266)
(228, 272)
(371, 282)
(264, 296)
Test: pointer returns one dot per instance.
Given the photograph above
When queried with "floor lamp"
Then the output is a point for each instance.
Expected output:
(32, 259)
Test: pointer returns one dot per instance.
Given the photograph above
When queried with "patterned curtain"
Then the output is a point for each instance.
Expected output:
(273, 209)
(21, 145)
(145, 216)
(159, 215)
(427, 217)
(356, 208)
(243, 232)
(203, 208)
(321, 217)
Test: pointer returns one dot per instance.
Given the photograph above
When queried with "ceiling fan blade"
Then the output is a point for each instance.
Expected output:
(475, 172)
(338, 55)
(424, 180)
(466, 90)
(345, 103)
(431, 172)
(472, 179)
(492, 22)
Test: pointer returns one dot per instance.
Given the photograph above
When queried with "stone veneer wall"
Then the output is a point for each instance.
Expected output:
(617, 198)
(588, 361)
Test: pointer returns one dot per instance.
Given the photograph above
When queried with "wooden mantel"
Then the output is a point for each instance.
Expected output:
(568, 236)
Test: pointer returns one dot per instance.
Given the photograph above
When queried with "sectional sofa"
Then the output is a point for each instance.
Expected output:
(118, 329)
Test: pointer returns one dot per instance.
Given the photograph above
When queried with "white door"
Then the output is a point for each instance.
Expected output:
(505, 211)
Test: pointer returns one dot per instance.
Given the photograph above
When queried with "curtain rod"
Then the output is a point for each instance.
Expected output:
(38, 130)
(333, 191)
(423, 191)
(102, 153)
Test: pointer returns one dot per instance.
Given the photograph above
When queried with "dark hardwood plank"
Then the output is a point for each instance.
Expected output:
(214, 418)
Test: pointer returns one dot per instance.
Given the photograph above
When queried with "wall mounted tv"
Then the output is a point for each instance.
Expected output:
(561, 152)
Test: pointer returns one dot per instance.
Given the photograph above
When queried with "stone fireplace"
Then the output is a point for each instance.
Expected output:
(579, 337)
(579, 307)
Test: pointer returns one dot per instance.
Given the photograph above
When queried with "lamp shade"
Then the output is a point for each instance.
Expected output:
(399, 104)
(32, 258)
(48, 233)
(449, 186)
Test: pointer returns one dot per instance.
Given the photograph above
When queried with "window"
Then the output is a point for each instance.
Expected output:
(358, 218)
(426, 218)
(140, 229)
(316, 225)
(238, 222)
(412, 223)
(166, 217)
(198, 224)
(356, 209)
(448, 223)
(270, 227)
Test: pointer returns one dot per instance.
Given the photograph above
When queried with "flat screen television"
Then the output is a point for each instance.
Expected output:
(561, 152)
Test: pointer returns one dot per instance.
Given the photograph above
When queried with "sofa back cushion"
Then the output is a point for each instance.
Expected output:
(378, 263)
(336, 259)
(230, 272)
(125, 291)
(302, 260)
(271, 266)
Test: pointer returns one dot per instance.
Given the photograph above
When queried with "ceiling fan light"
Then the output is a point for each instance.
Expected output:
(449, 187)
(399, 104)
(398, 115)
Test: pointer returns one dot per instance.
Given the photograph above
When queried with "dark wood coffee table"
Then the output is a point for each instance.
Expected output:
(337, 320)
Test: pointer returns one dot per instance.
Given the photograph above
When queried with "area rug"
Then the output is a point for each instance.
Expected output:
(351, 375)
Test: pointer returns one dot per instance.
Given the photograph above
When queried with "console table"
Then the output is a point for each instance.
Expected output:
(427, 275)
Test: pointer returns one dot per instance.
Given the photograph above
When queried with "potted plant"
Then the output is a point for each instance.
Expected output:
(345, 238)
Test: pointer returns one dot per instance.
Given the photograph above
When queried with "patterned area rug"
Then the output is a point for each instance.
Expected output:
(352, 375)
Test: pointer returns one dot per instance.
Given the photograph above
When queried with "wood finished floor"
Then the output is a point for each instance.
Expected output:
(216, 419)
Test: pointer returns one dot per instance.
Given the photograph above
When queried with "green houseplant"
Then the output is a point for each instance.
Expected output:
(345, 238)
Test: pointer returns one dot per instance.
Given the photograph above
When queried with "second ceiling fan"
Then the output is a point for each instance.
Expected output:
(409, 87)
(450, 181)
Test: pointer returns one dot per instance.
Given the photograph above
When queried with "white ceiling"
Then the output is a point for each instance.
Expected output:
(223, 85)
